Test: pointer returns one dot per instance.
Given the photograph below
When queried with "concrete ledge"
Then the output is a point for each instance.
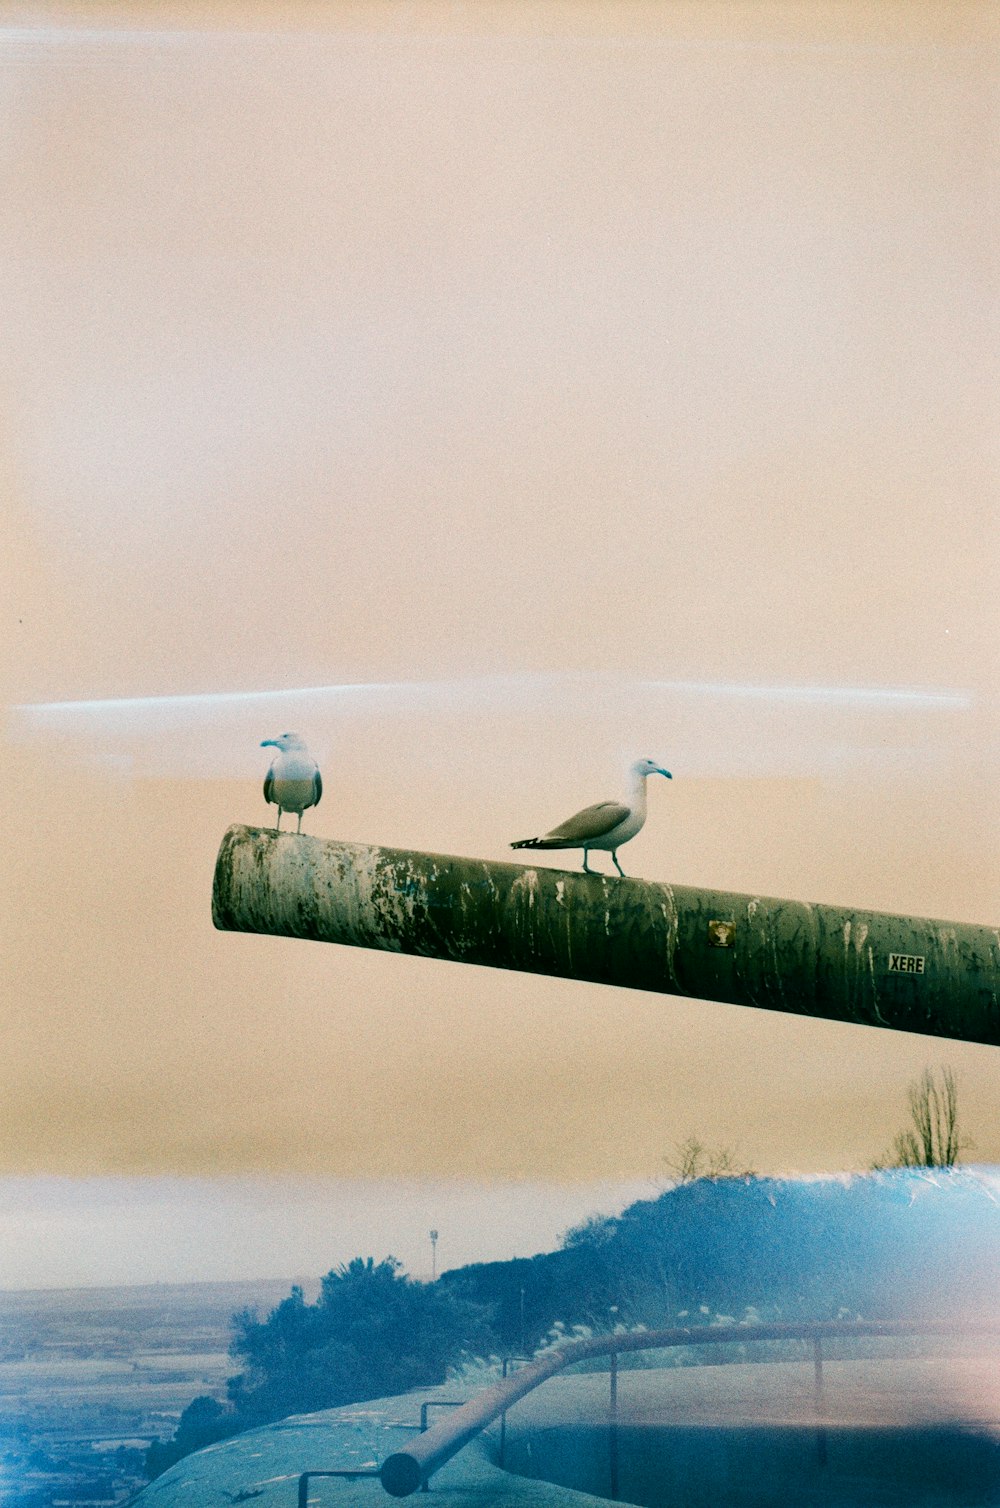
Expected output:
(264, 1465)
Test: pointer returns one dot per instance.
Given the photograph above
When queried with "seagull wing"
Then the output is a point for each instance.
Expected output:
(269, 784)
(317, 788)
(592, 822)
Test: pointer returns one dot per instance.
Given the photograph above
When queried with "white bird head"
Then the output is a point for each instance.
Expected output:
(285, 742)
(646, 767)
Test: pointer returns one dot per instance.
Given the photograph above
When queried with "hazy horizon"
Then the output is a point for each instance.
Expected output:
(77, 1235)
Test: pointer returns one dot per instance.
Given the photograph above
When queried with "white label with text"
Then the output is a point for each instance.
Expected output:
(906, 963)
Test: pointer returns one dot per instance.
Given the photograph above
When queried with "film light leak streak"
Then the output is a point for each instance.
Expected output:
(714, 729)
(488, 688)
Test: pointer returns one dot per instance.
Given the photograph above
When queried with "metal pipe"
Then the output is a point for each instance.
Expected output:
(405, 1471)
(435, 1403)
(911, 974)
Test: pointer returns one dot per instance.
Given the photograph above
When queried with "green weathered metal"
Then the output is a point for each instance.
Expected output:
(867, 967)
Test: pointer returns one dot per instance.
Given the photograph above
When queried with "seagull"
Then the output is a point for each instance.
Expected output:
(293, 782)
(607, 825)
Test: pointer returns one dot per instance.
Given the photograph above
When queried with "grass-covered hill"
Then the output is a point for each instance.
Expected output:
(905, 1243)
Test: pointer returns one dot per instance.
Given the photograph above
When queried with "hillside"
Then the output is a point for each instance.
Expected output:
(902, 1243)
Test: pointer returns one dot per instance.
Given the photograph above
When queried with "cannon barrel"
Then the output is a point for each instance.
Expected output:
(872, 968)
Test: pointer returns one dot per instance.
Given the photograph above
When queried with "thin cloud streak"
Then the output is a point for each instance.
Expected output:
(482, 687)
(709, 728)
(471, 723)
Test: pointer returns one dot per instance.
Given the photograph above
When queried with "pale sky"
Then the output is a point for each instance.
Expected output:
(492, 394)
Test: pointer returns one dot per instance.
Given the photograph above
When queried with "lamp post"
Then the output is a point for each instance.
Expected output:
(434, 1244)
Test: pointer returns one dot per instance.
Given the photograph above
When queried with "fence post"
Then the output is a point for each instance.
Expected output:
(613, 1427)
(820, 1400)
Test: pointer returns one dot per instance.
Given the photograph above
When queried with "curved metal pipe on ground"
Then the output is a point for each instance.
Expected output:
(405, 1471)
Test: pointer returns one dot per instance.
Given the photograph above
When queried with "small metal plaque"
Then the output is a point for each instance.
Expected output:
(722, 934)
(906, 963)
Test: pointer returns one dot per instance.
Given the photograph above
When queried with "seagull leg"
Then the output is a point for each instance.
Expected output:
(614, 855)
(299, 828)
(277, 825)
(586, 867)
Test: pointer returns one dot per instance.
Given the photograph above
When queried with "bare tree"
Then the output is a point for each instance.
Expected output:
(693, 1160)
(934, 1140)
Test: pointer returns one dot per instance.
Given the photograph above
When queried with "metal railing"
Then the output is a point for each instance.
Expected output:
(507, 1362)
(407, 1471)
(436, 1403)
(345, 1471)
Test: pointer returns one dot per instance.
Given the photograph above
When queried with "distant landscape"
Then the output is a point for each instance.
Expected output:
(89, 1376)
(101, 1388)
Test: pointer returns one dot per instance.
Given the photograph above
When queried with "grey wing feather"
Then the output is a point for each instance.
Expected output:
(317, 788)
(592, 822)
(268, 783)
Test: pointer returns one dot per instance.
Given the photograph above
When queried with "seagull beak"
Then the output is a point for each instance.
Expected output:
(665, 772)
(269, 742)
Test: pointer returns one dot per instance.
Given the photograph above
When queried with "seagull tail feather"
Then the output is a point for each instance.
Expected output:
(540, 843)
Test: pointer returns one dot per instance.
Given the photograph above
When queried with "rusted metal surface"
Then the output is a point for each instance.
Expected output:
(866, 967)
(405, 1471)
